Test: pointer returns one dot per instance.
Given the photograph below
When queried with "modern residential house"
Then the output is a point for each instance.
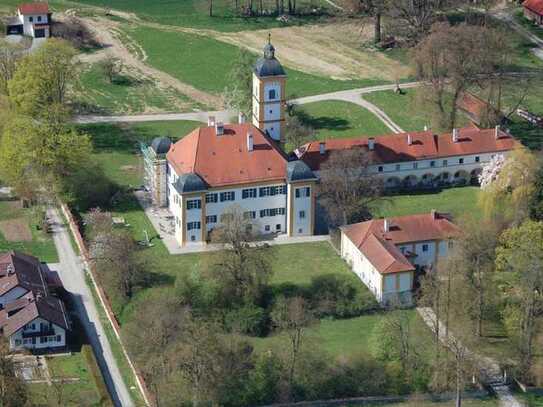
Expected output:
(533, 10)
(419, 159)
(32, 19)
(219, 166)
(30, 316)
(386, 253)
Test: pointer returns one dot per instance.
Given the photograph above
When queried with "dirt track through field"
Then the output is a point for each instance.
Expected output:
(104, 29)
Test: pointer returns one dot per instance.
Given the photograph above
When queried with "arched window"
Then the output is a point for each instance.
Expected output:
(271, 94)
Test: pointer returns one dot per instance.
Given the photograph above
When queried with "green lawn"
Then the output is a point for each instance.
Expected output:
(529, 25)
(41, 246)
(531, 399)
(126, 94)
(116, 145)
(88, 390)
(335, 119)
(195, 13)
(484, 402)
(344, 337)
(204, 63)
(457, 201)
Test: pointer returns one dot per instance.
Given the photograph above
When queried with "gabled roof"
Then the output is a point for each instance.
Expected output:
(34, 8)
(21, 270)
(395, 148)
(534, 5)
(48, 308)
(222, 160)
(379, 246)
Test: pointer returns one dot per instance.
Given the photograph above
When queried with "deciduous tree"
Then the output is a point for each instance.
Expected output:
(348, 190)
(238, 95)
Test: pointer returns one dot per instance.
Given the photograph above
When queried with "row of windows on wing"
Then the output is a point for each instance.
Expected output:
(210, 219)
(43, 339)
(444, 163)
(248, 193)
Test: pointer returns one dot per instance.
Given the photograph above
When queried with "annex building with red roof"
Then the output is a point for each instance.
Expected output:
(419, 159)
(31, 316)
(533, 10)
(32, 19)
(386, 253)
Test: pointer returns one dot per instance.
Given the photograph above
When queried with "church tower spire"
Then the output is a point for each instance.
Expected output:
(269, 97)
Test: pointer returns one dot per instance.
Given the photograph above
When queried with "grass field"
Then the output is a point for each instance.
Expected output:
(335, 119)
(116, 145)
(529, 25)
(483, 402)
(41, 245)
(344, 337)
(126, 94)
(195, 13)
(204, 63)
(456, 201)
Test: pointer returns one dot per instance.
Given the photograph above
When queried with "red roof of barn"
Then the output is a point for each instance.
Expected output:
(34, 8)
(535, 5)
(222, 160)
(379, 246)
(425, 145)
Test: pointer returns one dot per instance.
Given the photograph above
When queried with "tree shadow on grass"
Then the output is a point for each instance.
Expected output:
(322, 122)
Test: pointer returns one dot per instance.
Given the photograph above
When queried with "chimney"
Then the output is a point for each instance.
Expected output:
(371, 144)
(386, 225)
(250, 142)
(409, 140)
(455, 135)
(322, 148)
(425, 128)
(434, 214)
(211, 121)
(241, 117)
(219, 128)
(497, 132)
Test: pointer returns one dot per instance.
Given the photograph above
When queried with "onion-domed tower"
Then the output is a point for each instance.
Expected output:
(269, 79)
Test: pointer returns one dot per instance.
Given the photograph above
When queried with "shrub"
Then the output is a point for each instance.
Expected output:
(340, 296)
(249, 320)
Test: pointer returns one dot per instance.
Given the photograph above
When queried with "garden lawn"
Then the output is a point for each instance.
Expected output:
(83, 392)
(344, 337)
(126, 94)
(116, 145)
(457, 201)
(41, 245)
(336, 119)
(466, 402)
(195, 13)
(205, 63)
(529, 25)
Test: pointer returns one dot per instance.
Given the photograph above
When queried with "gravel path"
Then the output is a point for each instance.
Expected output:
(490, 369)
(72, 275)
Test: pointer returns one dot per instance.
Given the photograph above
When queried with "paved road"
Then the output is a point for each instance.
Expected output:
(489, 368)
(72, 275)
(351, 96)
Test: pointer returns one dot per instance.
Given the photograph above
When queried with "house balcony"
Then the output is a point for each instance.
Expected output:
(37, 334)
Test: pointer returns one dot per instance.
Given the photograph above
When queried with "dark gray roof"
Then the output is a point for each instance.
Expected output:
(161, 145)
(299, 171)
(189, 183)
(268, 65)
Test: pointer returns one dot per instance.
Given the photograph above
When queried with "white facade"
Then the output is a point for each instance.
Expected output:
(274, 208)
(38, 334)
(267, 106)
(387, 287)
(30, 20)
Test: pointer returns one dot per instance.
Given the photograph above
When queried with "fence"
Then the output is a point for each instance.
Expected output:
(103, 298)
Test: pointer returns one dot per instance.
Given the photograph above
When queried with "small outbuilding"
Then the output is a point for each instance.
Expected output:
(32, 19)
(533, 10)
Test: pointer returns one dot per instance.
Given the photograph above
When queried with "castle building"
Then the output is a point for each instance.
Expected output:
(419, 159)
(269, 97)
(220, 166)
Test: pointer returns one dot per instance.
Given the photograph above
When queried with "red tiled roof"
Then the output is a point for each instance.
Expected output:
(379, 246)
(21, 270)
(534, 5)
(425, 145)
(225, 160)
(34, 8)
